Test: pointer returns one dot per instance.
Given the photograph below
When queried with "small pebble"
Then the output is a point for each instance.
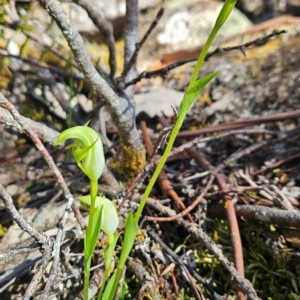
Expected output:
(12, 189)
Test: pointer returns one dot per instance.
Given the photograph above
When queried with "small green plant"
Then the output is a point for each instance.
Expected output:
(193, 90)
(88, 152)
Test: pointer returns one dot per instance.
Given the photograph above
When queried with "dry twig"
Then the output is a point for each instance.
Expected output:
(164, 71)
(121, 108)
(70, 199)
(106, 28)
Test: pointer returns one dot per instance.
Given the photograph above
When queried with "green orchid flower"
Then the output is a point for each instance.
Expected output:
(109, 216)
(88, 152)
(87, 149)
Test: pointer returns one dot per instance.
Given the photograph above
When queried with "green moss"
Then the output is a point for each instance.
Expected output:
(273, 270)
(2, 231)
(129, 163)
(5, 74)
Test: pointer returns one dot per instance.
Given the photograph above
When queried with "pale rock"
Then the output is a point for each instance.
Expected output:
(158, 101)
(12, 189)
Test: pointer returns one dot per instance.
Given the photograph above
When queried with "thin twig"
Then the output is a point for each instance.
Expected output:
(242, 124)
(235, 236)
(39, 64)
(17, 217)
(106, 28)
(38, 274)
(209, 244)
(150, 165)
(213, 293)
(70, 199)
(121, 108)
(256, 43)
(163, 134)
(188, 209)
(139, 45)
(163, 181)
(245, 285)
(197, 140)
(19, 251)
(254, 147)
(164, 71)
(275, 164)
(268, 215)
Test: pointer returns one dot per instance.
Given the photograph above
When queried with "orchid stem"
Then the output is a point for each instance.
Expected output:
(88, 237)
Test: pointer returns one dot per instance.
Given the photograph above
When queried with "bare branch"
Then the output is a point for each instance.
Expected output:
(131, 38)
(107, 29)
(212, 246)
(139, 45)
(9, 205)
(48, 135)
(45, 133)
(164, 71)
(19, 251)
(38, 274)
(209, 244)
(131, 30)
(268, 215)
(121, 108)
(35, 62)
(70, 199)
(180, 261)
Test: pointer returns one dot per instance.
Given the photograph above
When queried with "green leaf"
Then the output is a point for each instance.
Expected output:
(129, 237)
(109, 286)
(222, 17)
(195, 89)
(225, 12)
(110, 250)
(92, 232)
(201, 83)
(108, 254)
(122, 291)
(90, 241)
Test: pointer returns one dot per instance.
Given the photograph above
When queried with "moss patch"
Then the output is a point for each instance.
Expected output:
(128, 164)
